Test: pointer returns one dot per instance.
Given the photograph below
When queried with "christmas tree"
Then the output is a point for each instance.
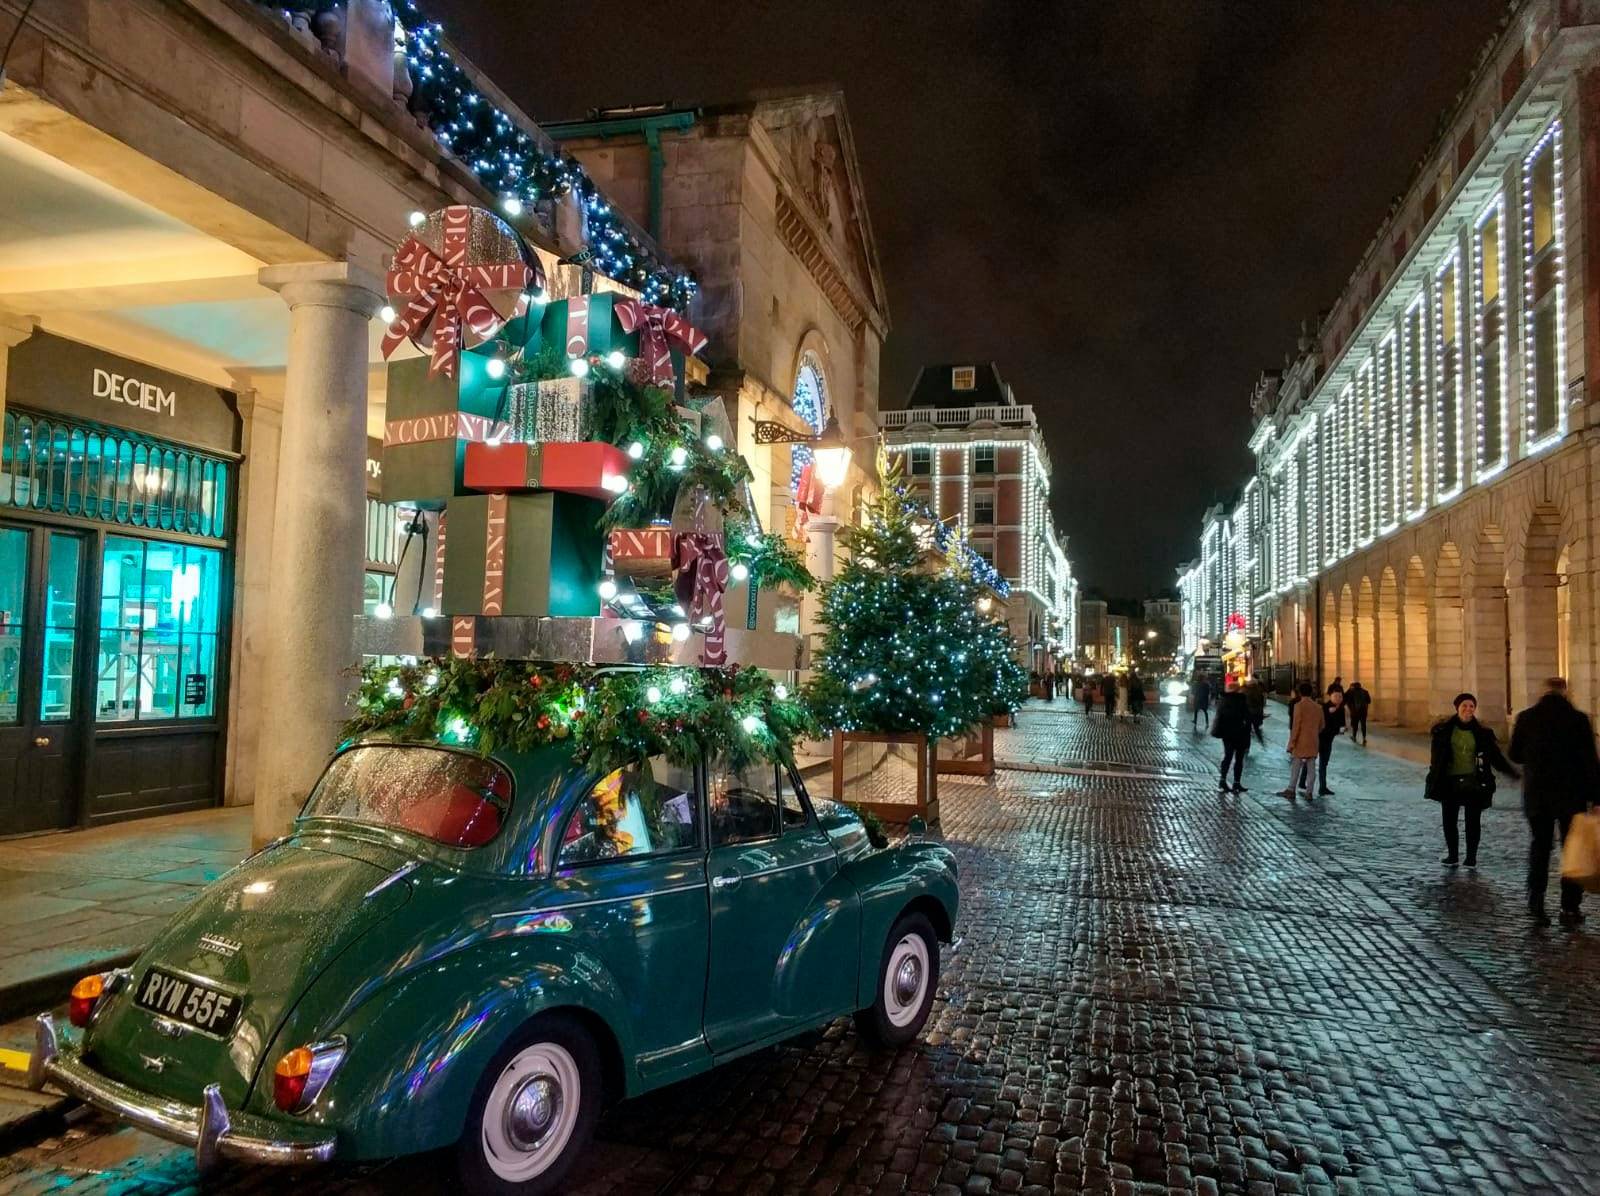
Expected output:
(908, 645)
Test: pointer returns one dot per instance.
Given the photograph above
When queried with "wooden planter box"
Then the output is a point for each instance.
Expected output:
(1001, 720)
(970, 755)
(892, 776)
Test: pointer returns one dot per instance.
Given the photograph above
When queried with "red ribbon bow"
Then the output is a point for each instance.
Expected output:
(700, 577)
(447, 292)
(659, 329)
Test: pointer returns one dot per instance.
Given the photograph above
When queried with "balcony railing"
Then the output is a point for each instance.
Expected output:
(958, 417)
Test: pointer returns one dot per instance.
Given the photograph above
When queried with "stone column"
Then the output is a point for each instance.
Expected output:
(822, 534)
(13, 331)
(314, 592)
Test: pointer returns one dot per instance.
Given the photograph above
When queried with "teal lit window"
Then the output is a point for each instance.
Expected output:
(13, 616)
(62, 570)
(159, 624)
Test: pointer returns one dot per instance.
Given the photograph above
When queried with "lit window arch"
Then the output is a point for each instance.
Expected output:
(810, 403)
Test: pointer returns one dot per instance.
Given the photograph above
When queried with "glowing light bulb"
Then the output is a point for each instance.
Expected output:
(615, 483)
(653, 694)
(678, 685)
(636, 450)
(496, 368)
(615, 359)
(714, 443)
(417, 219)
(511, 206)
(750, 723)
(739, 571)
(608, 590)
(430, 612)
(679, 457)
(579, 366)
(680, 632)
(396, 690)
(383, 611)
(386, 314)
(780, 691)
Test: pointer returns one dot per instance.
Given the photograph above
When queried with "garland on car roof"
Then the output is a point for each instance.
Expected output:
(612, 717)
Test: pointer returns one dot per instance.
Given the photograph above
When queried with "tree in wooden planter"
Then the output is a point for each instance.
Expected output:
(907, 651)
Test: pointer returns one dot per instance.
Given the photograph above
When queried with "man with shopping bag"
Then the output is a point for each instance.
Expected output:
(1554, 743)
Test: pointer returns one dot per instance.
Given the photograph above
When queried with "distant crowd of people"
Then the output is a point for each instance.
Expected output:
(1552, 741)
(1122, 695)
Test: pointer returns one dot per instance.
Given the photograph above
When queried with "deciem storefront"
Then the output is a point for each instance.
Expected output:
(116, 509)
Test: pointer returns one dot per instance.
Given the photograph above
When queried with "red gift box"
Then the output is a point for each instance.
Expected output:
(585, 467)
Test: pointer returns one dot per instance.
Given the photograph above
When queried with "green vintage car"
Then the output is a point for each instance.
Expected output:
(481, 950)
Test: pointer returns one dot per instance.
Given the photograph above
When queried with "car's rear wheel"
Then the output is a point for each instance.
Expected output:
(533, 1112)
(907, 977)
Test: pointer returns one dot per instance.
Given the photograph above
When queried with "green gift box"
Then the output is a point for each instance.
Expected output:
(429, 420)
(522, 554)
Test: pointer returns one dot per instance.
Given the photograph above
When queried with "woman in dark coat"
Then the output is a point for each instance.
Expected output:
(1232, 725)
(1464, 750)
(1135, 695)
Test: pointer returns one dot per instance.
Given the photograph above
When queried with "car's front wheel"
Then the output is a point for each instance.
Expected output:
(533, 1112)
(907, 977)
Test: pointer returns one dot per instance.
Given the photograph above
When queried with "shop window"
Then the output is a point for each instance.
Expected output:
(13, 618)
(983, 459)
(631, 812)
(159, 624)
(62, 570)
(921, 462)
(376, 589)
(744, 804)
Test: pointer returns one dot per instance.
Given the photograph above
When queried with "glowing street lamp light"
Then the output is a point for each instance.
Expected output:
(831, 451)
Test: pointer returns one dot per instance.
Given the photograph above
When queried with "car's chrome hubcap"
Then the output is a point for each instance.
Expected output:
(908, 980)
(533, 1109)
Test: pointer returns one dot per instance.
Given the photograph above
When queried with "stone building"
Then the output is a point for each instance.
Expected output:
(763, 200)
(200, 200)
(978, 459)
(1422, 515)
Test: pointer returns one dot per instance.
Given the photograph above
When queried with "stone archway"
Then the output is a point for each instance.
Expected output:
(1564, 644)
(1366, 670)
(1532, 607)
(1487, 638)
(1347, 633)
(1414, 682)
(1330, 639)
(1449, 676)
(1386, 695)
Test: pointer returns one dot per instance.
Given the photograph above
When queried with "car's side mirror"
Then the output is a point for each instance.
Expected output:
(917, 828)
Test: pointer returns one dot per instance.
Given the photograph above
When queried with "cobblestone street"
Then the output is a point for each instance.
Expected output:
(1159, 989)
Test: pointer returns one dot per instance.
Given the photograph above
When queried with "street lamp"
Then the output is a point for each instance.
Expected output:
(831, 450)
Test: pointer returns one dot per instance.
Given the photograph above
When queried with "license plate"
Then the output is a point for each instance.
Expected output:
(188, 1001)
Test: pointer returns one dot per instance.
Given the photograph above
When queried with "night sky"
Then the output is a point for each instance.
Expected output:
(1128, 206)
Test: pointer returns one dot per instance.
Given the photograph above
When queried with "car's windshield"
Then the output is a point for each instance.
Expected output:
(449, 797)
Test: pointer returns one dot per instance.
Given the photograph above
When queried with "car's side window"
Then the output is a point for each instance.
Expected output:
(633, 812)
(744, 803)
(794, 809)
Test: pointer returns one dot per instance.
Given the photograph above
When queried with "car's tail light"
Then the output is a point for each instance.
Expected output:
(85, 995)
(301, 1074)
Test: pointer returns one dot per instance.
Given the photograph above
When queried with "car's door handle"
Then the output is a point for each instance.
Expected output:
(726, 881)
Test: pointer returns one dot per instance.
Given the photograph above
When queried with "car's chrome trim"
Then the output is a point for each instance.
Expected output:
(400, 873)
(210, 1129)
(550, 909)
(782, 868)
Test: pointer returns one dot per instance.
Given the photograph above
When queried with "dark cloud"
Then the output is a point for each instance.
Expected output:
(1129, 206)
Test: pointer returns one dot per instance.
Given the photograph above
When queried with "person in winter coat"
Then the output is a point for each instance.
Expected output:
(1108, 689)
(1332, 728)
(1200, 695)
(1088, 694)
(1135, 695)
(1305, 721)
(1554, 742)
(1336, 686)
(1464, 750)
(1255, 696)
(1232, 726)
(1358, 701)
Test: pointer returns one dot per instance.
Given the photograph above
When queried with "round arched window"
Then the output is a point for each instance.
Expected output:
(810, 403)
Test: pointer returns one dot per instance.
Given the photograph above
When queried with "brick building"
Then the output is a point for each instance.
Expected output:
(1422, 512)
(977, 457)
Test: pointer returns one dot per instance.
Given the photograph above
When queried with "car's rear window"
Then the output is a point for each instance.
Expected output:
(449, 797)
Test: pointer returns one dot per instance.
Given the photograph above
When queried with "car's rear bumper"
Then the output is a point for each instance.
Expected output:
(210, 1129)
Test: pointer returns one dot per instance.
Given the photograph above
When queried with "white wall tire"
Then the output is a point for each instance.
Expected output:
(533, 1112)
(908, 976)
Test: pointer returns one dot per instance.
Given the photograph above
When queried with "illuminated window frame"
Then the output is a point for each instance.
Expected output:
(1495, 209)
(1451, 266)
(1557, 249)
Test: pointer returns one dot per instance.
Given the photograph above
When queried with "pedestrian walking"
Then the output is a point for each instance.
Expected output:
(1088, 694)
(1232, 726)
(1108, 689)
(1336, 686)
(1358, 701)
(1135, 695)
(1200, 698)
(1554, 742)
(1305, 719)
(1459, 778)
(1332, 728)
(1255, 695)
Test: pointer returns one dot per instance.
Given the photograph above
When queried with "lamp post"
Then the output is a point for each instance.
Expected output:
(831, 458)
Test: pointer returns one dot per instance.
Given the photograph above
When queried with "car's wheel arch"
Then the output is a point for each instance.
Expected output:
(931, 908)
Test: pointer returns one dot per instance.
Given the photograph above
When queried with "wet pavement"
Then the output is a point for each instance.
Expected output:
(1160, 989)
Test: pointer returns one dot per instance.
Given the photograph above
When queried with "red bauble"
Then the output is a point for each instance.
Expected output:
(544, 721)
(536, 681)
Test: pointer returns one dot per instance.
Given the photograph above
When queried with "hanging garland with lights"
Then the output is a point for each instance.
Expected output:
(613, 718)
(908, 647)
(509, 162)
